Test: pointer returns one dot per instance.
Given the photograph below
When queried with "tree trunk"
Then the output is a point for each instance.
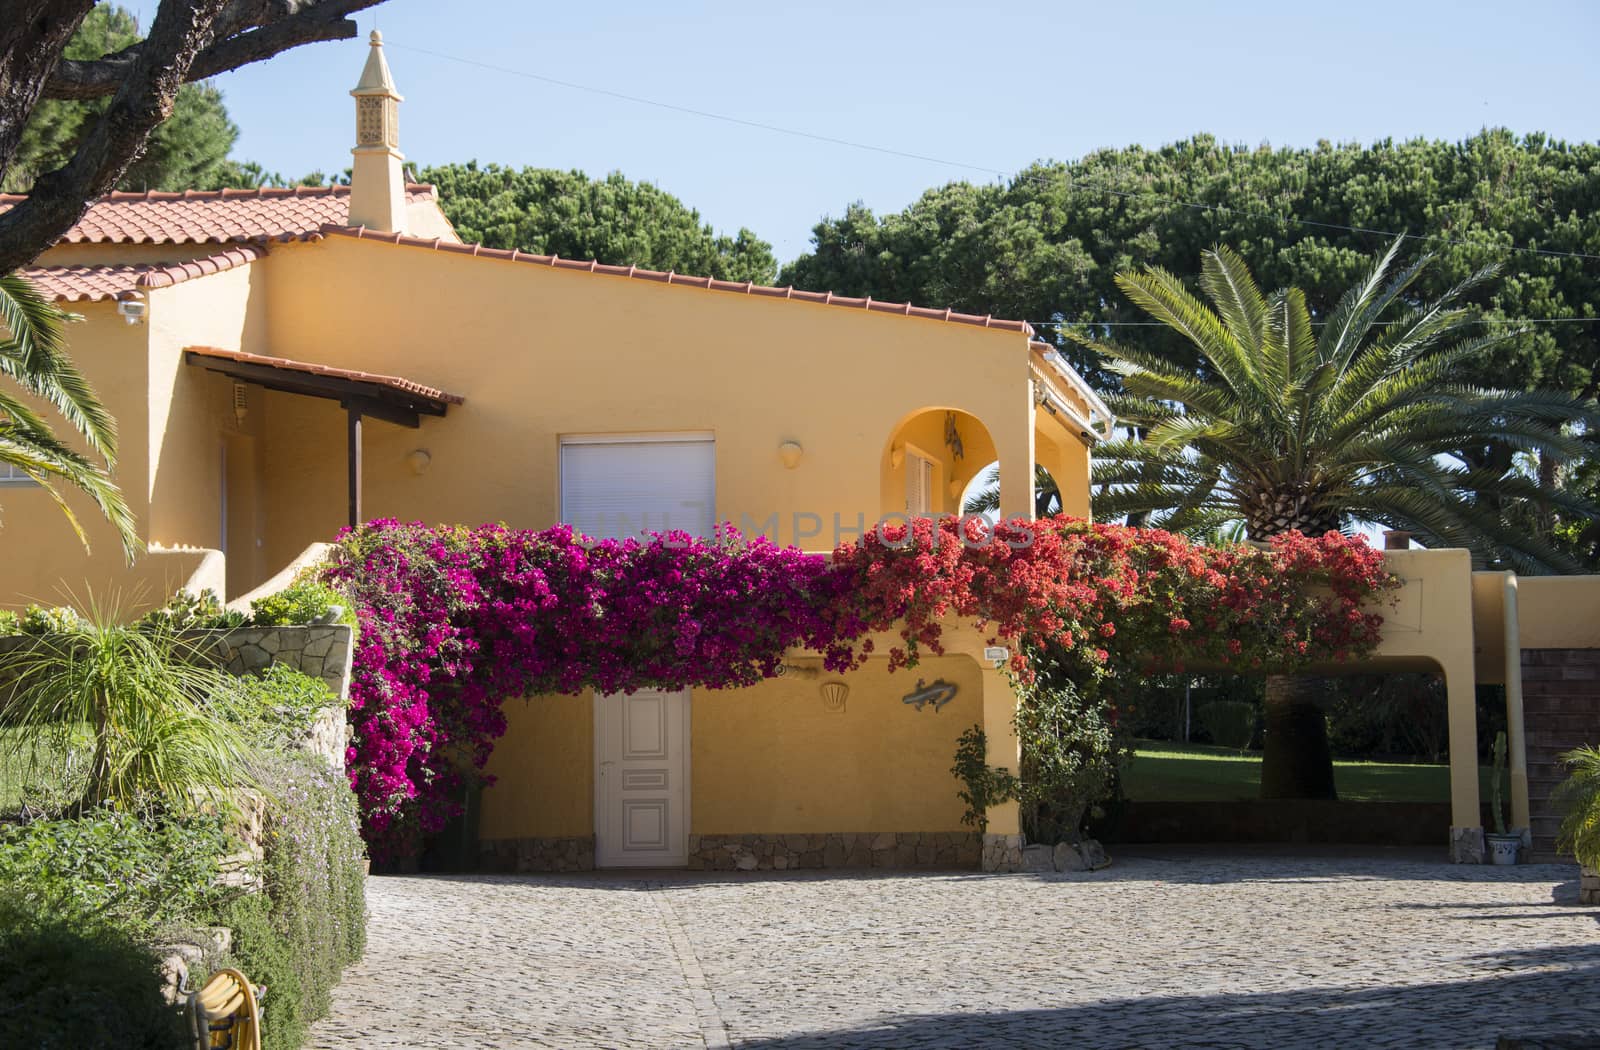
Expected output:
(1297, 763)
(32, 36)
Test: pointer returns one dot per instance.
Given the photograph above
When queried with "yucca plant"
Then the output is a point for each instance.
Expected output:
(1579, 796)
(144, 703)
(32, 352)
(1314, 424)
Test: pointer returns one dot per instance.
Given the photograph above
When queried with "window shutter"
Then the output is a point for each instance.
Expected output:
(919, 485)
(614, 487)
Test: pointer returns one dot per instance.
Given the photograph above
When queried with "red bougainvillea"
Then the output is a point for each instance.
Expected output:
(454, 621)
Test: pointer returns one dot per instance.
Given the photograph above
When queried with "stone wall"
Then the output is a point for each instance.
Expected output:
(1561, 710)
(321, 651)
(1002, 852)
(861, 849)
(574, 853)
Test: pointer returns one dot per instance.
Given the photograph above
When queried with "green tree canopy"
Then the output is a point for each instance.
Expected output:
(1047, 245)
(188, 151)
(612, 219)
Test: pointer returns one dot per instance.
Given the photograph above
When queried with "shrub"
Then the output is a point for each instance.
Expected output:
(153, 704)
(310, 923)
(67, 985)
(305, 601)
(38, 620)
(277, 707)
(1579, 795)
(1070, 751)
(982, 785)
(1229, 723)
(114, 868)
(190, 612)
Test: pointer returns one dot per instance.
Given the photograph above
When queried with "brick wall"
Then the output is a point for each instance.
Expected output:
(1561, 709)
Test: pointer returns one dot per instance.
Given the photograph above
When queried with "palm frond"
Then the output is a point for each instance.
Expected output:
(35, 356)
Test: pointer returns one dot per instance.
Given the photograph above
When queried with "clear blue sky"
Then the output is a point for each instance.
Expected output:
(996, 86)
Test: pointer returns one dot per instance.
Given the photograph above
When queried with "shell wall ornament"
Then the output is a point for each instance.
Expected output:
(834, 695)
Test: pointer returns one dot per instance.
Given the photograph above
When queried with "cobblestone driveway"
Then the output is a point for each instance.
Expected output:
(1164, 949)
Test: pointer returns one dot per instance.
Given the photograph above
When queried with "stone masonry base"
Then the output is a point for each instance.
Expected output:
(960, 850)
(1002, 852)
(537, 854)
(859, 849)
(1466, 846)
(1589, 886)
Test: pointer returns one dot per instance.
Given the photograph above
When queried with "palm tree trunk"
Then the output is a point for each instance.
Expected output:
(1297, 762)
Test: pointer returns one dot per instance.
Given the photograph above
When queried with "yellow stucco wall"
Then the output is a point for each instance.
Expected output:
(769, 758)
(40, 553)
(773, 759)
(544, 770)
(1559, 612)
(539, 353)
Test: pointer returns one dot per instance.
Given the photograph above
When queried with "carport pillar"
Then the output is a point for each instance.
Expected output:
(1002, 839)
(1014, 448)
(1466, 819)
(353, 462)
(1516, 731)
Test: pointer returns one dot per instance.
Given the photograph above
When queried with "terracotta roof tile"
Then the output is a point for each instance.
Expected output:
(682, 280)
(76, 284)
(392, 382)
(213, 216)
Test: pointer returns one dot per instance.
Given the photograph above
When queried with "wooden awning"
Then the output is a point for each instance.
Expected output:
(392, 399)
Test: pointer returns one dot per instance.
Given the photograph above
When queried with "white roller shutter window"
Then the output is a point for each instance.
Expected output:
(613, 487)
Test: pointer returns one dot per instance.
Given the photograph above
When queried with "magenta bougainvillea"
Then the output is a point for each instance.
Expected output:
(455, 621)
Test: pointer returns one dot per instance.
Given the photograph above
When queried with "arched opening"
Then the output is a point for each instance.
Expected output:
(931, 459)
(982, 494)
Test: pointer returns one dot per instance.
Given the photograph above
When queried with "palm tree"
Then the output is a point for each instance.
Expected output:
(1579, 798)
(1287, 427)
(32, 353)
(1046, 497)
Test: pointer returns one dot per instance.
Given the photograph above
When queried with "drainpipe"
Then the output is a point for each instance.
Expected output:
(1516, 738)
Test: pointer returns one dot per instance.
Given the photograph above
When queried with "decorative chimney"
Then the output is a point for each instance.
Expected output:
(377, 179)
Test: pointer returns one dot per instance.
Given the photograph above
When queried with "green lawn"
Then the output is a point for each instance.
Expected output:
(1168, 772)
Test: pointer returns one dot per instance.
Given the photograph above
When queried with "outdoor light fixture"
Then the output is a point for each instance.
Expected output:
(131, 311)
(419, 460)
(790, 452)
(834, 695)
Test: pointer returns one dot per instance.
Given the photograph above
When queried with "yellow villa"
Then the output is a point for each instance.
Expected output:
(283, 362)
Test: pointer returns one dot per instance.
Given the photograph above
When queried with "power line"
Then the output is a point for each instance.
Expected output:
(1071, 184)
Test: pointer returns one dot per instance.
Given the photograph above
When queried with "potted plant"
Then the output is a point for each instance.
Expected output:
(1579, 796)
(1503, 846)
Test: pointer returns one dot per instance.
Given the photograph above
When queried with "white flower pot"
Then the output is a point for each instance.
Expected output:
(1503, 849)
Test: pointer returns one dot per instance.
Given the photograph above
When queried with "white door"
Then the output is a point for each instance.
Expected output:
(641, 779)
(614, 486)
